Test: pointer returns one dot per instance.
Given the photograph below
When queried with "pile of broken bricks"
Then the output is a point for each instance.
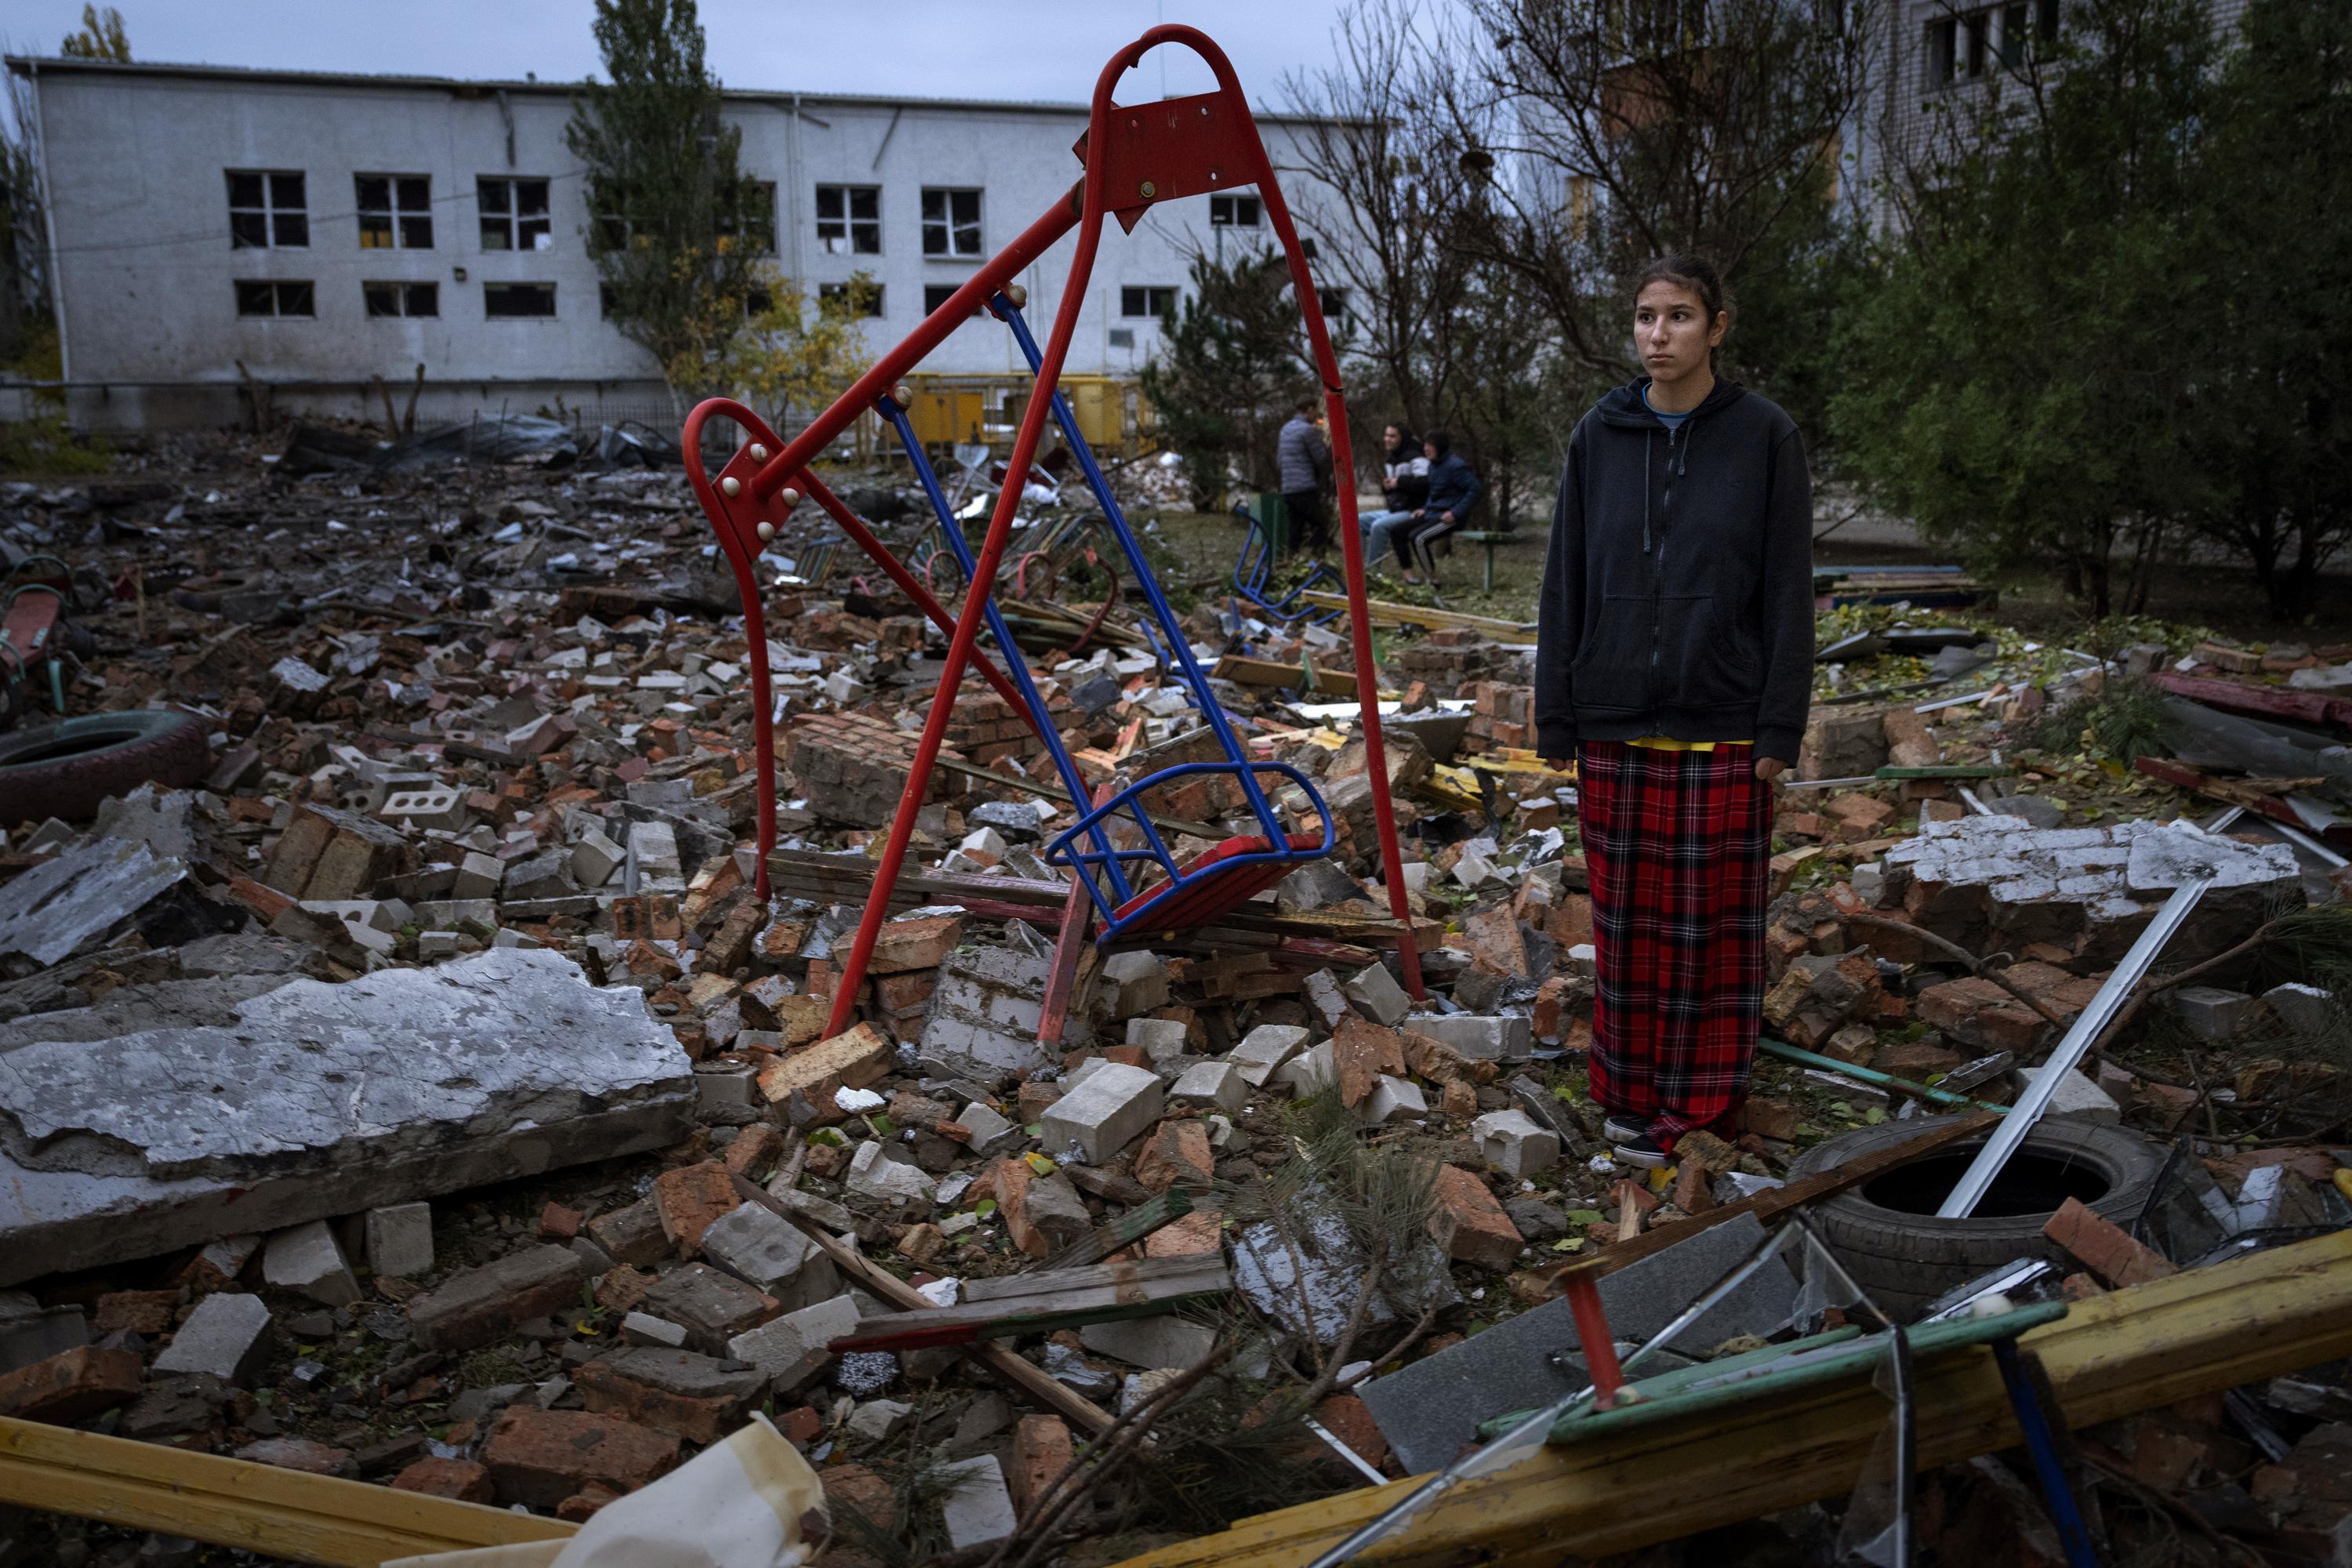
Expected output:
(381, 1106)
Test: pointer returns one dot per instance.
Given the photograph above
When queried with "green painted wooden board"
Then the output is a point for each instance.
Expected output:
(1775, 1371)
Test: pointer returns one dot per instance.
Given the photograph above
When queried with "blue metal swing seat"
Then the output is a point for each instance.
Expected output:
(1188, 893)
(1256, 559)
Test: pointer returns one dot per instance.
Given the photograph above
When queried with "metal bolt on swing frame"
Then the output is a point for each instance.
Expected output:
(1133, 157)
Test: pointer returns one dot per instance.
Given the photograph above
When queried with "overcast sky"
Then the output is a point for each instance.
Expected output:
(1049, 50)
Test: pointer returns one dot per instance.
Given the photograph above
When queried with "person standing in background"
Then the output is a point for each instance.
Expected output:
(1303, 468)
(1674, 664)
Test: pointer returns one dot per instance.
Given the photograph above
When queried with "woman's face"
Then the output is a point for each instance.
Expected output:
(1671, 333)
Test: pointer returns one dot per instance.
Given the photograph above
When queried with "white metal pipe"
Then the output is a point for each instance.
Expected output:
(1987, 1166)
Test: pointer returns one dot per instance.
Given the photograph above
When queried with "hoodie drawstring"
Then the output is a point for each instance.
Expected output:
(1645, 492)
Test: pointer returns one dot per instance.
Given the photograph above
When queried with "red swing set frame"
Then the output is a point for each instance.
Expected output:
(1134, 157)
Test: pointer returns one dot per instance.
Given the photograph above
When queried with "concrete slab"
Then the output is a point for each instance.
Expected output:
(314, 1101)
(48, 911)
(1429, 1409)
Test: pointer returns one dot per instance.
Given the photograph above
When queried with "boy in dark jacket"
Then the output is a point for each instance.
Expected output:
(1454, 489)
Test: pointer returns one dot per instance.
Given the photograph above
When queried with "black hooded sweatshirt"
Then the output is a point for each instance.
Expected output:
(1678, 593)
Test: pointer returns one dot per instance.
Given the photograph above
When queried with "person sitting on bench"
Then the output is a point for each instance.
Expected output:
(1404, 485)
(1454, 489)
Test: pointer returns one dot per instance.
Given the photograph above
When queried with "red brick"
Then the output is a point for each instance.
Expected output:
(1774, 1118)
(849, 1060)
(1469, 1223)
(1344, 1415)
(587, 1502)
(1196, 1235)
(558, 1223)
(459, 1479)
(300, 1454)
(690, 1200)
(801, 1425)
(1493, 937)
(608, 1390)
(146, 1312)
(756, 1150)
(2104, 1248)
(855, 1487)
(1012, 1206)
(476, 1305)
(72, 1385)
(1176, 1151)
(539, 1458)
(923, 943)
(1041, 1451)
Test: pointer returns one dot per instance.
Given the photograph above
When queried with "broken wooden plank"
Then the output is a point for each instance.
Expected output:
(2198, 1333)
(253, 1507)
(2264, 701)
(1040, 1303)
(2260, 796)
(1775, 1201)
(1051, 1393)
(1388, 613)
(1243, 670)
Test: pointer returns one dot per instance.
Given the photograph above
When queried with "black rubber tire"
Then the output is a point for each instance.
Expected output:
(66, 768)
(1905, 1260)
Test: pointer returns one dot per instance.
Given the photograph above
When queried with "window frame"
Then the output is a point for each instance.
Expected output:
(510, 214)
(275, 213)
(960, 238)
(847, 221)
(936, 295)
(278, 289)
(491, 286)
(751, 218)
(875, 305)
(397, 214)
(405, 295)
(1151, 293)
(1233, 202)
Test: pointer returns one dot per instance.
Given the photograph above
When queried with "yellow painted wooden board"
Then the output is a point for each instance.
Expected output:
(1388, 613)
(2195, 1333)
(232, 1502)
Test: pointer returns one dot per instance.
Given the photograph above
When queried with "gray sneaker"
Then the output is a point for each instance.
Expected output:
(1623, 1129)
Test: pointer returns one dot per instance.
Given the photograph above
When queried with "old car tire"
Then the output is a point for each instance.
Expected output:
(66, 769)
(1886, 1231)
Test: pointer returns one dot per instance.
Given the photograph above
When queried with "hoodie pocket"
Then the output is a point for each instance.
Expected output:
(1612, 665)
(1714, 660)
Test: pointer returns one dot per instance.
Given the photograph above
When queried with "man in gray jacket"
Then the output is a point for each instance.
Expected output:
(1303, 465)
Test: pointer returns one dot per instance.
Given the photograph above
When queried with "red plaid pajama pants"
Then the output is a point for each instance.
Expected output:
(1676, 845)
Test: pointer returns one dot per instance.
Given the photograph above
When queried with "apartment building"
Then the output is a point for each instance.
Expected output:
(211, 226)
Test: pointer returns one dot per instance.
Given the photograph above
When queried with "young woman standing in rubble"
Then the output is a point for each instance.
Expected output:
(1674, 666)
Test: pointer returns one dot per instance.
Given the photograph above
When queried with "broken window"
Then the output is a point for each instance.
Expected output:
(269, 297)
(936, 295)
(1235, 211)
(863, 299)
(950, 223)
(518, 302)
(1335, 305)
(849, 219)
(1151, 302)
(753, 221)
(395, 211)
(757, 302)
(389, 299)
(607, 299)
(267, 209)
(514, 213)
